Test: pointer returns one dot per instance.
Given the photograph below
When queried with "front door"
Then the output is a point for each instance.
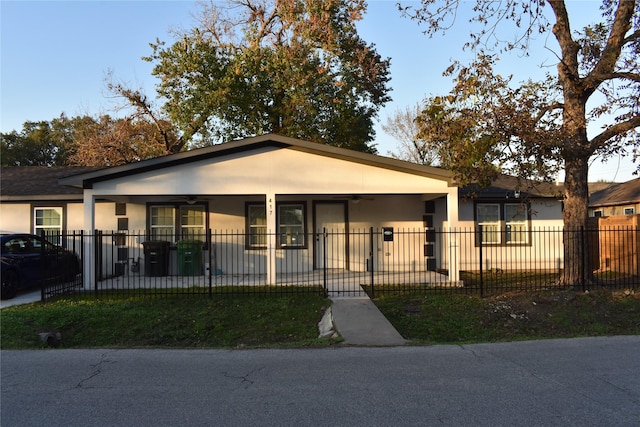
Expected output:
(331, 217)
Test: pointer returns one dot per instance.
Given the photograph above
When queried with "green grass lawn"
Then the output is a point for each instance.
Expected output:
(438, 318)
(222, 321)
(291, 320)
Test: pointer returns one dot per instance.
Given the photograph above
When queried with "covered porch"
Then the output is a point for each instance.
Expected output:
(334, 283)
(218, 261)
(278, 198)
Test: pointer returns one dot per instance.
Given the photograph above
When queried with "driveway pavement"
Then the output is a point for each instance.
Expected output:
(22, 298)
(585, 382)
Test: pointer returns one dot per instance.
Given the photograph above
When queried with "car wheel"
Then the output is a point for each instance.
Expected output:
(72, 271)
(10, 284)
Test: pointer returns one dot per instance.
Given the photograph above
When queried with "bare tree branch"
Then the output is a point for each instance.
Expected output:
(607, 63)
(612, 131)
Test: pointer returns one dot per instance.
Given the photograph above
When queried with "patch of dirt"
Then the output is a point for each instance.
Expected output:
(540, 313)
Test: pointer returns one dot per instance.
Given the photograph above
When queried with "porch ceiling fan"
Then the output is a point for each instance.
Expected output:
(190, 200)
(354, 197)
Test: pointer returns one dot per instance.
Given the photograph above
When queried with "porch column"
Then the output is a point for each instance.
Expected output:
(271, 238)
(89, 259)
(454, 245)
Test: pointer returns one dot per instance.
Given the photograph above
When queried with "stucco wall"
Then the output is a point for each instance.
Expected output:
(615, 210)
(18, 217)
(544, 250)
(271, 171)
(544, 213)
(15, 217)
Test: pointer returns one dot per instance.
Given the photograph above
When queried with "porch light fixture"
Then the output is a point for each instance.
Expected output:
(516, 194)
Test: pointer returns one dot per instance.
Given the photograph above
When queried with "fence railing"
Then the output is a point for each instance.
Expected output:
(339, 262)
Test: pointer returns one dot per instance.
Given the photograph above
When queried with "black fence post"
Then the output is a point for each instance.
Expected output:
(82, 253)
(43, 283)
(371, 274)
(481, 245)
(325, 239)
(97, 245)
(211, 266)
(584, 276)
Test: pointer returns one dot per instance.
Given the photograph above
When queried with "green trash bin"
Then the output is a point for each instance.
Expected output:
(189, 257)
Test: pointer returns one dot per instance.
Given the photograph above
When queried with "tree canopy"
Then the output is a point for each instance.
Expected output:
(86, 141)
(39, 143)
(105, 141)
(251, 67)
(294, 67)
(537, 128)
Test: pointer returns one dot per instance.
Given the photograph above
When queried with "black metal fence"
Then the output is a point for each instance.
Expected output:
(60, 271)
(337, 262)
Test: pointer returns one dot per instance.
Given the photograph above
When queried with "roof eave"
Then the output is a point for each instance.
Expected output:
(42, 198)
(617, 203)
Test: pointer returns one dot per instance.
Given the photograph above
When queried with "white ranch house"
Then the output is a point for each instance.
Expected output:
(281, 193)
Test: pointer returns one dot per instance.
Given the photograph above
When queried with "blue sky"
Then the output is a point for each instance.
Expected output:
(55, 56)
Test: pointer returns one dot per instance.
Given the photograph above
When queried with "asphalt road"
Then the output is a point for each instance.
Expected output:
(586, 382)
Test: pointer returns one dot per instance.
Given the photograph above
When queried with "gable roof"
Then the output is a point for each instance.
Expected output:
(39, 183)
(506, 186)
(598, 186)
(87, 180)
(623, 193)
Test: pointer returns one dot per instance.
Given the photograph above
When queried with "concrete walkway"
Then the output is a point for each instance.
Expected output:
(360, 323)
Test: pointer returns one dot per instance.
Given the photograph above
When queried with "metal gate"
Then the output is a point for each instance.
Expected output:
(379, 259)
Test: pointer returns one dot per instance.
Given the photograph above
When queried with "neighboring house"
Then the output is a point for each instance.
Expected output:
(34, 201)
(281, 193)
(615, 212)
(616, 199)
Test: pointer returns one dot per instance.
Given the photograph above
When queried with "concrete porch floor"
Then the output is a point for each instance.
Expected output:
(338, 282)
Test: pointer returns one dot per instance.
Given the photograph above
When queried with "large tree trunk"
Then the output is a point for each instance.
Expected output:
(575, 152)
(577, 270)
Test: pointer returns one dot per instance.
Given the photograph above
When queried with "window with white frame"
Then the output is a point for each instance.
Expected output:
(257, 226)
(488, 221)
(291, 225)
(516, 223)
(49, 221)
(163, 223)
(501, 223)
(629, 211)
(173, 223)
(192, 223)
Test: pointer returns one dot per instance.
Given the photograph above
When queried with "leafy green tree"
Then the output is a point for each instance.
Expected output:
(88, 141)
(541, 127)
(294, 67)
(38, 144)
